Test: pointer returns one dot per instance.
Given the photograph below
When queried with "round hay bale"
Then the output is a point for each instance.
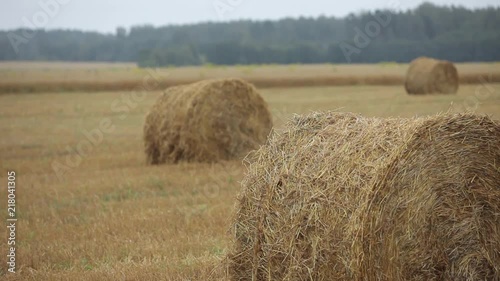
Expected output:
(206, 121)
(431, 76)
(340, 197)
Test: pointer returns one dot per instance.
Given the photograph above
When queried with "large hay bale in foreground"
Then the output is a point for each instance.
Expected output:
(341, 197)
(431, 76)
(207, 121)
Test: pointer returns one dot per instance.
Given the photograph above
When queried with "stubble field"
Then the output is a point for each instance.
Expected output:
(105, 215)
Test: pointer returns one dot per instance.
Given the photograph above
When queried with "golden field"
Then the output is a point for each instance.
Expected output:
(112, 217)
(22, 77)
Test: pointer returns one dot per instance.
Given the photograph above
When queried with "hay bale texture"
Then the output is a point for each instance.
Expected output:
(430, 76)
(337, 196)
(207, 121)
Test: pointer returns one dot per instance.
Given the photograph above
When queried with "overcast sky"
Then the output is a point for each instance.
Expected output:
(106, 15)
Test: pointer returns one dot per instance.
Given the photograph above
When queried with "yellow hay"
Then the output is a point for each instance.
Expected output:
(430, 76)
(337, 196)
(207, 121)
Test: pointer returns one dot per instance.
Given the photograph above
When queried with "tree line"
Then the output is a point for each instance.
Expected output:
(447, 32)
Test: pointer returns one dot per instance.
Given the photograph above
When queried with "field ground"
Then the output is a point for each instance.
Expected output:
(105, 72)
(112, 217)
(90, 77)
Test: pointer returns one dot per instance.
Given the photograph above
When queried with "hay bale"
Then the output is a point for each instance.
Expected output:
(337, 196)
(207, 121)
(431, 76)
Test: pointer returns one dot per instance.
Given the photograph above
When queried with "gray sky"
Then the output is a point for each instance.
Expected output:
(106, 15)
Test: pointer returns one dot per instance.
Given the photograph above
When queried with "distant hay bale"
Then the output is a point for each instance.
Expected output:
(431, 76)
(337, 196)
(207, 121)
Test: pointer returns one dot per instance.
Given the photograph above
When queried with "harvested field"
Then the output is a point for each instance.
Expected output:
(337, 196)
(66, 77)
(109, 216)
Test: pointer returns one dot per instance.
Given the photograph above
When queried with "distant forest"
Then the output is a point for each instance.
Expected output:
(452, 33)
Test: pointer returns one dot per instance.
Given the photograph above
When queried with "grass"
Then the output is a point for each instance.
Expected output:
(113, 217)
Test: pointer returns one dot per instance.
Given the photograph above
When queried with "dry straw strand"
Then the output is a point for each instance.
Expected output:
(207, 121)
(338, 196)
